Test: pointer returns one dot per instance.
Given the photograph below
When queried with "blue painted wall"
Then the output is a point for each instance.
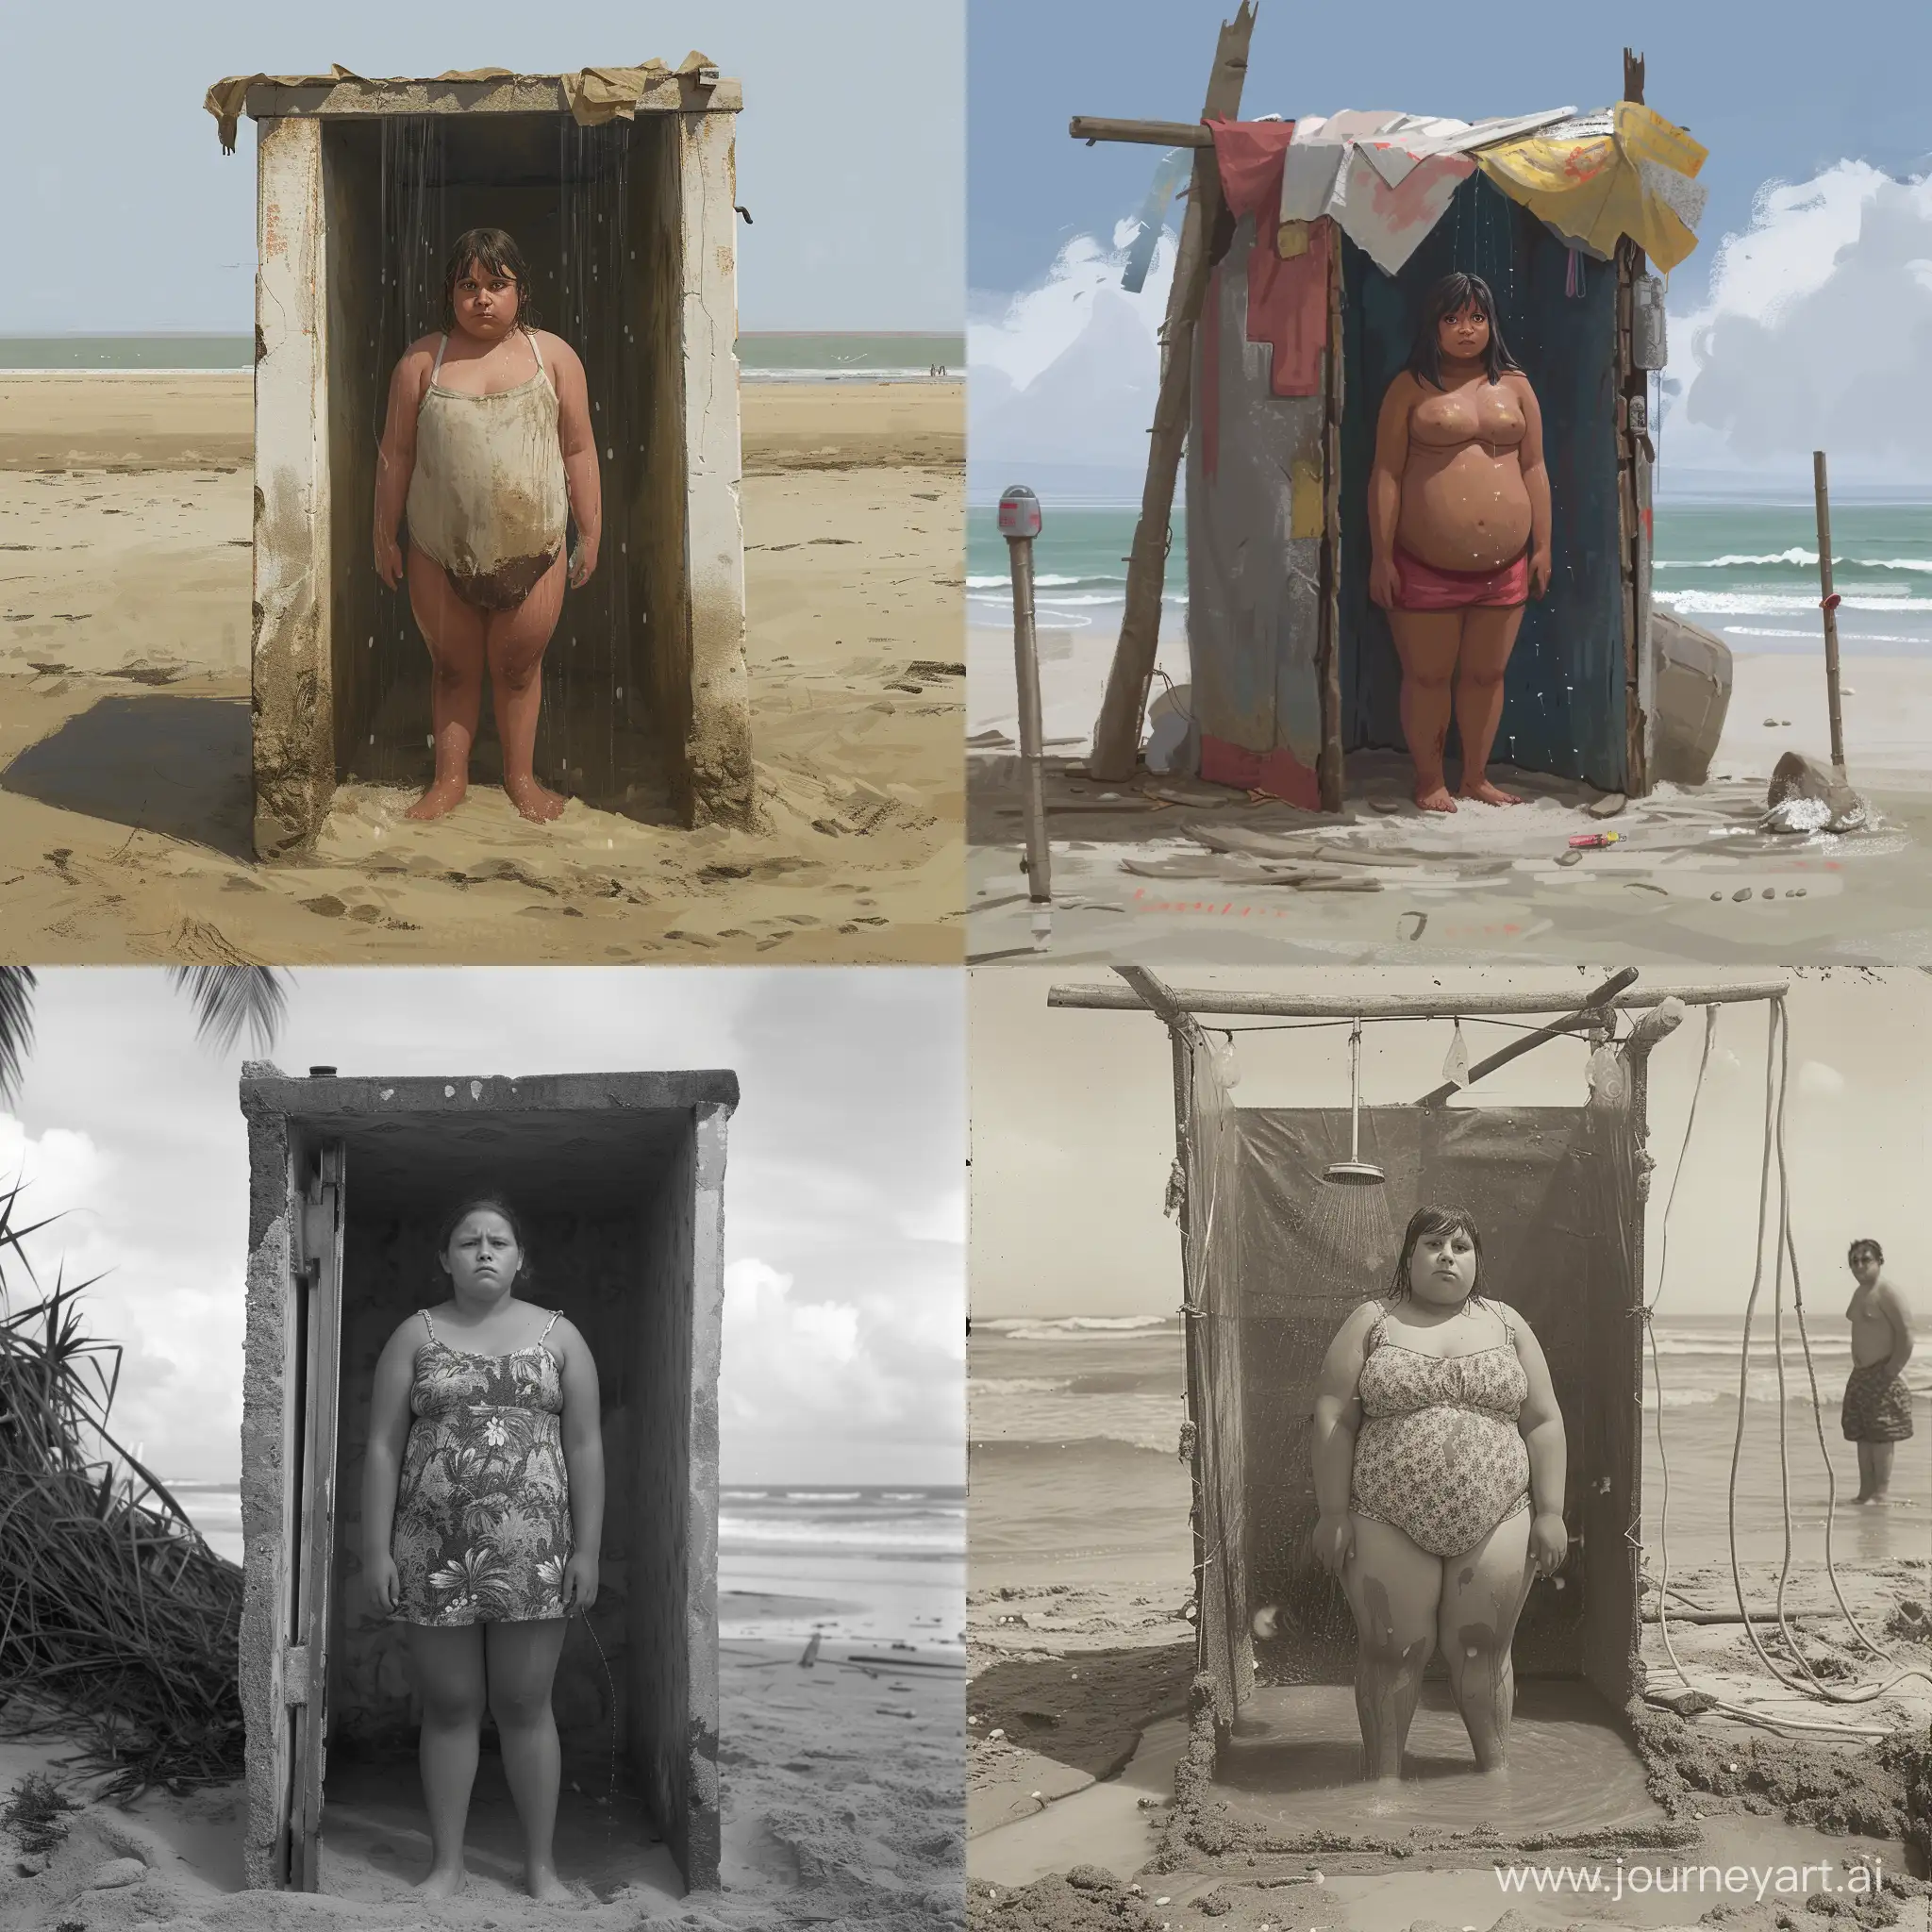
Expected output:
(1564, 705)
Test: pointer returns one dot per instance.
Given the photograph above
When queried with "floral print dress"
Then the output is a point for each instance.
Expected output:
(483, 1528)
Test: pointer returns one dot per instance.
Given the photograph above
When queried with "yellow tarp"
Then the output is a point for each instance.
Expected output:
(1594, 190)
(594, 94)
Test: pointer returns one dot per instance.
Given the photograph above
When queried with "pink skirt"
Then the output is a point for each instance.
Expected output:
(1422, 587)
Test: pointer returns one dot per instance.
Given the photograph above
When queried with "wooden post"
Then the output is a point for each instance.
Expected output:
(1329, 637)
(1117, 734)
(1633, 385)
(1828, 604)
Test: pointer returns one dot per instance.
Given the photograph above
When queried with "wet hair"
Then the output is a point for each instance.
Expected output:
(498, 253)
(1447, 297)
(1865, 1246)
(490, 1204)
(1428, 1221)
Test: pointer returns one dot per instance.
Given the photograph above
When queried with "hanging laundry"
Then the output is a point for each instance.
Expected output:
(1288, 289)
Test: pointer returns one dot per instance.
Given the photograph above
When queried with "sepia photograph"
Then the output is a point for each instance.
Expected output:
(502, 1456)
(1445, 1444)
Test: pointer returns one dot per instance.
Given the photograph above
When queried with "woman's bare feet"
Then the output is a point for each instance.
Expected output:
(443, 796)
(536, 802)
(546, 1888)
(1434, 797)
(1486, 793)
(444, 1881)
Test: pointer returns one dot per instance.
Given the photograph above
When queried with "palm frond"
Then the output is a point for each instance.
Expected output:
(16, 1027)
(229, 999)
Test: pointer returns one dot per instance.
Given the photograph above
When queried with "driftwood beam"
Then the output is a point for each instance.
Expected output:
(1395, 1006)
(1587, 1014)
(1093, 128)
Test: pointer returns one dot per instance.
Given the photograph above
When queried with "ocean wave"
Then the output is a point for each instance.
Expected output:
(1017, 1385)
(1796, 556)
(1043, 1326)
(944, 1539)
(1772, 604)
(1761, 1345)
(1040, 583)
(824, 1495)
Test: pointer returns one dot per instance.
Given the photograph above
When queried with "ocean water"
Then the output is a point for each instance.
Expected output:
(1748, 571)
(1075, 1424)
(761, 358)
(890, 1559)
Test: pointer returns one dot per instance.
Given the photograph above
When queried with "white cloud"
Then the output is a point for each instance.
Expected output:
(1815, 334)
(1819, 1081)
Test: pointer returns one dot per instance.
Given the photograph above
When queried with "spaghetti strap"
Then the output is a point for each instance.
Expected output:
(531, 334)
(547, 1328)
(1508, 1326)
(427, 1323)
(435, 368)
(1374, 1338)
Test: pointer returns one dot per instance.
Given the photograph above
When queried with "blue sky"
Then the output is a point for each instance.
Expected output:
(124, 216)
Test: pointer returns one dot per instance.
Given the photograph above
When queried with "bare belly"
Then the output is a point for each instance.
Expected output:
(1463, 508)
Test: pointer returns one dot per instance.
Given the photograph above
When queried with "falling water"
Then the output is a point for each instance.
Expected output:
(1351, 1229)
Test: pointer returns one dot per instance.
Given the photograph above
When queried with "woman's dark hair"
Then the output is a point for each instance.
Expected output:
(1427, 1221)
(500, 255)
(493, 1203)
(1450, 297)
(1865, 1246)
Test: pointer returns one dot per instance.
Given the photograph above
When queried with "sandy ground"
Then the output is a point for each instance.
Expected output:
(1077, 1724)
(842, 1808)
(124, 587)
(1135, 868)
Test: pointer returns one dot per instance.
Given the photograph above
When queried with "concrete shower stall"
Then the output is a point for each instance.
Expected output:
(628, 227)
(618, 1178)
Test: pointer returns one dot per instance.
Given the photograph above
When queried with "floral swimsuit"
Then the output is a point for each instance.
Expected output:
(483, 1527)
(1438, 1455)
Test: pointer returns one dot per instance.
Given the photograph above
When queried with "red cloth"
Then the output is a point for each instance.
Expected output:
(1279, 772)
(1422, 587)
(1287, 301)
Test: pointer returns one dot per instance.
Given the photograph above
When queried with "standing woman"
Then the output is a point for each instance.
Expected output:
(489, 443)
(481, 1521)
(1438, 1463)
(1458, 531)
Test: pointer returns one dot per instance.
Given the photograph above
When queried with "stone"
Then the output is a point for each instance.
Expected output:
(1807, 796)
(1607, 807)
(117, 1873)
(31, 1864)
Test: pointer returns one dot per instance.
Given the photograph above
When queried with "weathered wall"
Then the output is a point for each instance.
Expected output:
(717, 741)
(1254, 513)
(294, 731)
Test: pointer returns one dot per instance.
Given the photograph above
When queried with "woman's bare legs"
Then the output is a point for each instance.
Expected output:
(523, 1662)
(448, 1666)
(453, 632)
(515, 642)
(1427, 641)
(1483, 1592)
(1488, 638)
(1395, 1589)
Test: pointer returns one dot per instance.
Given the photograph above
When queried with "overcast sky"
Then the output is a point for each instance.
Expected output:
(844, 1206)
(1072, 1128)
(1804, 319)
(124, 216)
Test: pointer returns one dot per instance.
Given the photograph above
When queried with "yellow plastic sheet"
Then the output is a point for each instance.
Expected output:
(594, 94)
(1592, 190)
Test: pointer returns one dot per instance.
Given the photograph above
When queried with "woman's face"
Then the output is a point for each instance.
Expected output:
(1443, 1269)
(1465, 335)
(485, 301)
(483, 1257)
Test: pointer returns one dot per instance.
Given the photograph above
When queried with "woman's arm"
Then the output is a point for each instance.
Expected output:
(583, 1459)
(579, 441)
(382, 1462)
(1385, 485)
(1338, 1416)
(1541, 1425)
(395, 459)
(1536, 479)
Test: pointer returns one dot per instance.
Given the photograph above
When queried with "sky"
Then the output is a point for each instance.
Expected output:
(1803, 319)
(844, 1194)
(106, 115)
(1072, 1128)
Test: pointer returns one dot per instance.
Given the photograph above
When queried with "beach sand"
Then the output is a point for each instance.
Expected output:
(841, 1799)
(1489, 885)
(124, 626)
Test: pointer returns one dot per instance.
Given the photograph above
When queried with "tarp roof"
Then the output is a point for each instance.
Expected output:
(594, 94)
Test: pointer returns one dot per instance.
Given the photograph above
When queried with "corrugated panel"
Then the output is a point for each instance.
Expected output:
(1565, 701)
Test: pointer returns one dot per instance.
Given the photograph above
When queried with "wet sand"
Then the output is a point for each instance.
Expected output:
(1130, 870)
(124, 584)
(840, 1798)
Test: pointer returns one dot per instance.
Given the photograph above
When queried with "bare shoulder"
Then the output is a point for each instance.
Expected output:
(1360, 1320)
(1519, 385)
(1404, 388)
(567, 1338)
(557, 353)
(421, 352)
(405, 1337)
(1887, 1296)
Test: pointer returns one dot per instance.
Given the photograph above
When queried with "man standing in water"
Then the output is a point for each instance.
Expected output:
(1877, 1405)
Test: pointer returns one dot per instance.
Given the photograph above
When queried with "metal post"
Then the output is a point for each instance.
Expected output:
(1019, 525)
(1827, 600)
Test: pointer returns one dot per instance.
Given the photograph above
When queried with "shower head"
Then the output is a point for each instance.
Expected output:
(1354, 1174)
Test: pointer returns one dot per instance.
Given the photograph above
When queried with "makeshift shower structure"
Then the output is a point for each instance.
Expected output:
(619, 1180)
(1305, 257)
(618, 184)
(1274, 1255)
